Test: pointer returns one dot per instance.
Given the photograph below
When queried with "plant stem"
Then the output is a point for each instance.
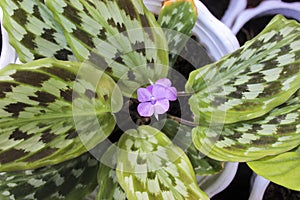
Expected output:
(184, 94)
(182, 121)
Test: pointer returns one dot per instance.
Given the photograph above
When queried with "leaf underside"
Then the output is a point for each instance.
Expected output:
(274, 133)
(121, 37)
(69, 180)
(251, 81)
(48, 115)
(33, 32)
(283, 169)
(151, 167)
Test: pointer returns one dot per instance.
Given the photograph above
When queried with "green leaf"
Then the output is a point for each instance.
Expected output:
(177, 18)
(33, 32)
(52, 111)
(151, 167)
(272, 134)
(283, 169)
(109, 187)
(69, 180)
(251, 81)
(181, 136)
(121, 37)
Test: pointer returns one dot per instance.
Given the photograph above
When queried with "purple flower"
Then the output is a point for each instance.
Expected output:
(155, 98)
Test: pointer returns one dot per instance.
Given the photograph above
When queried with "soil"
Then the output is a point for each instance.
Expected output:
(277, 192)
(252, 28)
(239, 187)
(216, 7)
(253, 3)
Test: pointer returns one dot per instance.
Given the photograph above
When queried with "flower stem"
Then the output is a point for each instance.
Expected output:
(182, 121)
(184, 94)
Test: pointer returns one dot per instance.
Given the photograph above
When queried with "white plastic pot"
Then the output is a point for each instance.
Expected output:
(268, 7)
(8, 53)
(215, 184)
(258, 187)
(235, 7)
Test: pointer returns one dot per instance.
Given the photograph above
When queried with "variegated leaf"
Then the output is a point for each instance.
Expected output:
(48, 115)
(251, 81)
(109, 187)
(121, 37)
(33, 31)
(151, 167)
(69, 180)
(272, 134)
(181, 136)
(283, 169)
(177, 18)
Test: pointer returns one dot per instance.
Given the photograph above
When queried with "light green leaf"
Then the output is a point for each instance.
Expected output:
(48, 115)
(109, 187)
(251, 81)
(181, 136)
(33, 32)
(69, 180)
(151, 167)
(283, 169)
(121, 37)
(177, 18)
(272, 134)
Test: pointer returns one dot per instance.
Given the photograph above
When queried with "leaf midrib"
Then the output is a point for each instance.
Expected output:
(50, 118)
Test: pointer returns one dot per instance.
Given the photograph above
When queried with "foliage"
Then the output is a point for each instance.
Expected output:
(80, 59)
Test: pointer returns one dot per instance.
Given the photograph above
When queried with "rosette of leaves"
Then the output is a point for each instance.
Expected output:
(61, 102)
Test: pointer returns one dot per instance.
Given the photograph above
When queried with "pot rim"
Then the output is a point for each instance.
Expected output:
(268, 7)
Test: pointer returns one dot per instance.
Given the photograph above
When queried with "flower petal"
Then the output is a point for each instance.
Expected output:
(161, 106)
(144, 95)
(164, 81)
(149, 88)
(159, 92)
(145, 109)
(171, 94)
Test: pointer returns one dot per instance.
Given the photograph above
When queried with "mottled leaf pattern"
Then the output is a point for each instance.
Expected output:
(251, 81)
(177, 18)
(33, 32)
(274, 133)
(181, 136)
(119, 36)
(283, 169)
(48, 116)
(69, 180)
(109, 187)
(151, 167)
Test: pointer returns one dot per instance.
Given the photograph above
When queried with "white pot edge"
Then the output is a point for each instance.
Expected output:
(268, 7)
(235, 7)
(258, 187)
(8, 53)
(215, 184)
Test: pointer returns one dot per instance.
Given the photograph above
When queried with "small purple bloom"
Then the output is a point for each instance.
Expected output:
(155, 98)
